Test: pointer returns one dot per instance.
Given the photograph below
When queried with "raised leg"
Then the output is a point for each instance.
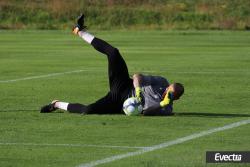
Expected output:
(117, 68)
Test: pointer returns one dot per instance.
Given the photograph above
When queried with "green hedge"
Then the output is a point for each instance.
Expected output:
(116, 14)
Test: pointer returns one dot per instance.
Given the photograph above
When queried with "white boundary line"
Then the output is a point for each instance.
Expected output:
(72, 145)
(164, 145)
(197, 72)
(43, 76)
(147, 71)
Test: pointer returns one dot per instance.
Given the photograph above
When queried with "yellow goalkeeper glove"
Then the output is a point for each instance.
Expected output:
(167, 99)
(138, 92)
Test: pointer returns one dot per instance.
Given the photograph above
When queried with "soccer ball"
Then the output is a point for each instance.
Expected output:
(132, 106)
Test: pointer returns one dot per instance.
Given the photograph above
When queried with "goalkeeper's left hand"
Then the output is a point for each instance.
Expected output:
(138, 93)
(168, 99)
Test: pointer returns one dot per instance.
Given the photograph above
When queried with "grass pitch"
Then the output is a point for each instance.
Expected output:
(39, 66)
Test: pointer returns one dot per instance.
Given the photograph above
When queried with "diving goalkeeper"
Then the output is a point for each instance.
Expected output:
(154, 92)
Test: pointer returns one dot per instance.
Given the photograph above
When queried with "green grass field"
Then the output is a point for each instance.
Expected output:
(39, 66)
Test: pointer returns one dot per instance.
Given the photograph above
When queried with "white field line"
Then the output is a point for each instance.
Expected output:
(164, 145)
(147, 71)
(44, 76)
(72, 145)
(197, 72)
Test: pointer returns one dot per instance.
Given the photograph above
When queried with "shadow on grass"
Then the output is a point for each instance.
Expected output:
(196, 114)
(179, 114)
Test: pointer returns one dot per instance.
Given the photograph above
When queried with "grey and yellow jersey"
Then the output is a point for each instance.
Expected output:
(152, 89)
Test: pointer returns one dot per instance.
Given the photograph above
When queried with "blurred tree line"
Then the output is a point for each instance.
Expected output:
(126, 14)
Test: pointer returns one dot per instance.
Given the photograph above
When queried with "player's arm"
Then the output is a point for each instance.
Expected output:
(137, 82)
(153, 110)
(157, 110)
(163, 108)
(140, 80)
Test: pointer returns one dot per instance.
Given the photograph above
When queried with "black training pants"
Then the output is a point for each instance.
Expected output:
(119, 81)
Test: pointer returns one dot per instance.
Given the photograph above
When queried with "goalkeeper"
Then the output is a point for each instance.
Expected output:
(154, 92)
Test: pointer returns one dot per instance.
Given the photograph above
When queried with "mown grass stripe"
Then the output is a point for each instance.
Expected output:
(146, 71)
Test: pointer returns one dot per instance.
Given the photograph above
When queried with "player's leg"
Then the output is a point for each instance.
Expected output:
(56, 104)
(105, 105)
(117, 68)
(118, 71)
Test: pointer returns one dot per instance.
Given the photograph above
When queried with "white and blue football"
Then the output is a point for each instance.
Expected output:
(132, 106)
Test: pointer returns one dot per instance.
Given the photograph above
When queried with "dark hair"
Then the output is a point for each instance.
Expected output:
(179, 89)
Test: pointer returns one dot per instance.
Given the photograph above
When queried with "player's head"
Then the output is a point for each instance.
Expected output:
(177, 89)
